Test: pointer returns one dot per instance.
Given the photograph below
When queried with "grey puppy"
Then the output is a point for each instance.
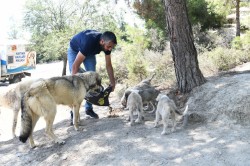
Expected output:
(147, 92)
(134, 104)
(165, 108)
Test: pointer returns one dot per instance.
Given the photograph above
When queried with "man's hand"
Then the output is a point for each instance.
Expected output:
(110, 71)
(79, 59)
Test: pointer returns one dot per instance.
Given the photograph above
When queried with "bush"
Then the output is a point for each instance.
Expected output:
(237, 43)
(224, 58)
(135, 64)
(242, 42)
(131, 65)
(162, 64)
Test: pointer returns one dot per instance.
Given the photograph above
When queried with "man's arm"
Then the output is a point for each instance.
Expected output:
(77, 63)
(110, 71)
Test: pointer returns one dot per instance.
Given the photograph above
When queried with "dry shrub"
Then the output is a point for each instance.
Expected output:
(222, 59)
(162, 65)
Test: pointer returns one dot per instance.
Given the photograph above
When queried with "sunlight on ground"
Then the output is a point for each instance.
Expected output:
(6, 117)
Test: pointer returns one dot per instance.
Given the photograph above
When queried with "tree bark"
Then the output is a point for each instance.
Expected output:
(187, 70)
(65, 59)
(237, 17)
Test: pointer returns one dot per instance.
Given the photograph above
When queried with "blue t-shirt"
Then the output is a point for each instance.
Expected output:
(88, 43)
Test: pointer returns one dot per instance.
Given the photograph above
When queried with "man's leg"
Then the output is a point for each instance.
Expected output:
(90, 65)
(71, 57)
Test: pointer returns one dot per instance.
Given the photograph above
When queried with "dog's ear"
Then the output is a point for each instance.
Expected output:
(98, 79)
(127, 93)
(157, 92)
(140, 92)
(159, 96)
(125, 97)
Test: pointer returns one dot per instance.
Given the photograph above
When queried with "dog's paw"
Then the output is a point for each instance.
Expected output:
(138, 121)
(33, 146)
(164, 133)
(127, 119)
(131, 124)
(14, 136)
(76, 127)
(173, 130)
(80, 129)
(156, 125)
(60, 142)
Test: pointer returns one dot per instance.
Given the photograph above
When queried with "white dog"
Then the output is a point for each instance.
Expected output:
(134, 103)
(165, 108)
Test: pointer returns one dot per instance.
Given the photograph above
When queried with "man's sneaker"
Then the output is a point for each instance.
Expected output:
(91, 113)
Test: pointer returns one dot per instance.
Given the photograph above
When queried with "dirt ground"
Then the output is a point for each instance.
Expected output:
(111, 141)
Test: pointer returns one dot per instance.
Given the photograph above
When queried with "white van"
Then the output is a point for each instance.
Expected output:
(15, 60)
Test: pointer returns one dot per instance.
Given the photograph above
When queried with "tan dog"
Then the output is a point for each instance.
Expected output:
(165, 108)
(10, 97)
(43, 96)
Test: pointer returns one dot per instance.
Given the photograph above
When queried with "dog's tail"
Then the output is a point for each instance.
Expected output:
(185, 117)
(185, 111)
(26, 120)
(179, 113)
(152, 77)
(26, 115)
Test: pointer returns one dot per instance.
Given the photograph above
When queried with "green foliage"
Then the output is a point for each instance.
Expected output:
(162, 64)
(242, 42)
(53, 22)
(153, 12)
(132, 50)
(209, 40)
(225, 59)
(132, 66)
(220, 7)
(206, 13)
(135, 64)
(128, 59)
(133, 36)
(137, 68)
(203, 13)
(246, 41)
(237, 43)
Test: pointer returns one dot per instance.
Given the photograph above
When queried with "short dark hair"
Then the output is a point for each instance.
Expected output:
(109, 36)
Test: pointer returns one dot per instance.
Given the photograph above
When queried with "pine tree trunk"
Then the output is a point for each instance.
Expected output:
(187, 70)
(65, 59)
(237, 17)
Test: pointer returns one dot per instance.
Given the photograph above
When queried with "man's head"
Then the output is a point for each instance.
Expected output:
(108, 41)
